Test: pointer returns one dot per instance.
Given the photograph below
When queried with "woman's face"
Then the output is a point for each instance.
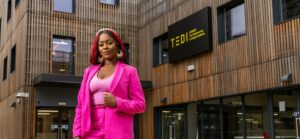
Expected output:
(107, 47)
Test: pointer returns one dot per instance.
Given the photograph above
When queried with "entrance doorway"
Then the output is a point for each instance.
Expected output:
(171, 122)
(54, 123)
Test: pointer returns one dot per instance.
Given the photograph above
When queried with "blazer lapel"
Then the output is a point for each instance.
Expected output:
(119, 71)
(93, 71)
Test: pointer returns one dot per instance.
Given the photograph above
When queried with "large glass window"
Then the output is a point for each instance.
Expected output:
(231, 20)
(64, 6)
(290, 8)
(285, 9)
(284, 105)
(256, 115)
(63, 56)
(160, 50)
(111, 2)
(232, 117)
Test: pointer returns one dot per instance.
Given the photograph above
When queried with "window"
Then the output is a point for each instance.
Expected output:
(127, 52)
(284, 105)
(63, 55)
(231, 20)
(232, 115)
(8, 10)
(17, 2)
(256, 113)
(4, 69)
(160, 50)
(285, 9)
(13, 59)
(64, 6)
(209, 123)
(111, 2)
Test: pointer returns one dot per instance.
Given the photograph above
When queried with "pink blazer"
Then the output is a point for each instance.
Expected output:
(127, 89)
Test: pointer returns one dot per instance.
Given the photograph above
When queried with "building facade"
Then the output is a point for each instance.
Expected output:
(221, 69)
(44, 49)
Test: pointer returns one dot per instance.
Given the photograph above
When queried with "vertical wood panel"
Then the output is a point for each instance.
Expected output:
(250, 63)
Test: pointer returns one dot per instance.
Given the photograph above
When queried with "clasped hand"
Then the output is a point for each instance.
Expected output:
(109, 100)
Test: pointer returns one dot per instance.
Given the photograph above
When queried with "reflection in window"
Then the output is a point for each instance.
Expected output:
(284, 105)
(160, 50)
(62, 56)
(211, 119)
(232, 117)
(256, 114)
(173, 123)
(64, 6)
(231, 20)
(111, 2)
(290, 8)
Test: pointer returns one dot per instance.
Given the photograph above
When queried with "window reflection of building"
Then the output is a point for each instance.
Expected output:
(173, 123)
(211, 119)
(62, 56)
(256, 115)
(284, 105)
(232, 117)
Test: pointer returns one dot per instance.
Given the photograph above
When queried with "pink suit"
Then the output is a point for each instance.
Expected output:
(118, 121)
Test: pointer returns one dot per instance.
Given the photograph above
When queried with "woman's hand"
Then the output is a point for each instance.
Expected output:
(76, 138)
(109, 100)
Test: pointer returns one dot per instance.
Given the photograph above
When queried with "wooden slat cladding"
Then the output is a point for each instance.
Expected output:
(13, 33)
(250, 63)
(31, 28)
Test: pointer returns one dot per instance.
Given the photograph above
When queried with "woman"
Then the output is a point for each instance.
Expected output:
(110, 92)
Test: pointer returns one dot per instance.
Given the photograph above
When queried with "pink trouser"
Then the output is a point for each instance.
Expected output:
(97, 119)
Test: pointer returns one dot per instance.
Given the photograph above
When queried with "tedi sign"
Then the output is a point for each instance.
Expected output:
(190, 36)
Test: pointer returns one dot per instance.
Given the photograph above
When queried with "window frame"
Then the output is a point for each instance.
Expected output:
(222, 20)
(127, 52)
(278, 13)
(116, 2)
(13, 56)
(158, 50)
(73, 52)
(73, 8)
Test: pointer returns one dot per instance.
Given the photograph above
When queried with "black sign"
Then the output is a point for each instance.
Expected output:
(190, 36)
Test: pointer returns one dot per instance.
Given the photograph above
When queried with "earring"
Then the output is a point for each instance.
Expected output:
(119, 54)
(100, 59)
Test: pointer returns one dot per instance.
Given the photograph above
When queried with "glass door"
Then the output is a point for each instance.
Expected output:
(284, 106)
(171, 123)
(54, 123)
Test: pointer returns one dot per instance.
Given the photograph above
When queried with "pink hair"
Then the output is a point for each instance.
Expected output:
(95, 52)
